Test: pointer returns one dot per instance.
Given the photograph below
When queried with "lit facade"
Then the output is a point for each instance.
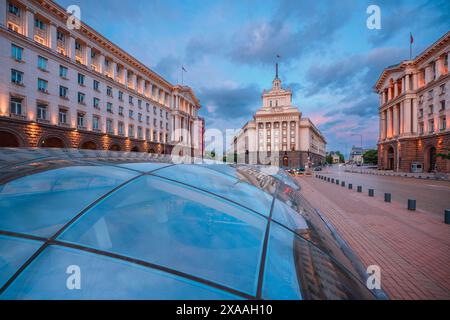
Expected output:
(75, 89)
(414, 111)
(279, 133)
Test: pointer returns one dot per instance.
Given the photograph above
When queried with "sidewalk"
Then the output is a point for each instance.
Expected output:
(424, 175)
(411, 248)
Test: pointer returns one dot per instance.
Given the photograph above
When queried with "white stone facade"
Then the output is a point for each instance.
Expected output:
(78, 79)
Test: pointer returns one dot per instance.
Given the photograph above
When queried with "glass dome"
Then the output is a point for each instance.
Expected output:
(154, 230)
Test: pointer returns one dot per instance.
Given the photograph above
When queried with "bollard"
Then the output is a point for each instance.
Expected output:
(359, 189)
(337, 181)
(411, 205)
(343, 184)
(332, 180)
(328, 179)
(387, 197)
(371, 192)
(447, 216)
(350, 186)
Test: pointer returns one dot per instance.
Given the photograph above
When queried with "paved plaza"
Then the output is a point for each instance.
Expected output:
(411, 248)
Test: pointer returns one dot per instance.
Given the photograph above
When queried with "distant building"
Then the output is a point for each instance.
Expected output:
(62, 88)
(414, 111)
(279, 131)
(356, 155)
(335, 158)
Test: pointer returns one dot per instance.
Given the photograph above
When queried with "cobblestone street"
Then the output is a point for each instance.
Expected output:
(412, 248)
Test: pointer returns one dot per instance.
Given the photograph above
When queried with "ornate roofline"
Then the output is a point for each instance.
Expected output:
(95, 36)
(418, 59)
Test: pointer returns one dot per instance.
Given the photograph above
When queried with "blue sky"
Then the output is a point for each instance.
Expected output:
(329, 58)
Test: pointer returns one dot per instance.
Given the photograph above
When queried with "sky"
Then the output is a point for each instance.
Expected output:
(329, 58)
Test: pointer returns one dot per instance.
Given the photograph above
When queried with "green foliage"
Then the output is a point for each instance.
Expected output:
(371, 156)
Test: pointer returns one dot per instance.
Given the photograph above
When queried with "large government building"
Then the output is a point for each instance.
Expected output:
(73, 88)
(279, 133)
(414, 112)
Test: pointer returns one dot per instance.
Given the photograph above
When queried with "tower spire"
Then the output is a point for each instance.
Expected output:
(276, 70)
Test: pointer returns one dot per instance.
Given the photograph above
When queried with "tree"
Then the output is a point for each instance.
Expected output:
(371, 156)
(445, 155)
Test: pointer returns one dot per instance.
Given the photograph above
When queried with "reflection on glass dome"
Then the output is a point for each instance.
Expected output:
(163, 231)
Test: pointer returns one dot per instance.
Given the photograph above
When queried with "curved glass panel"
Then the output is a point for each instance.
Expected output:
(144, 166)
(13, 254)
(294, 266)
(42, 203)
(288, 217)
(220, 184)
(280, 275)
(53, 275)
(179, 227)
(222, 168)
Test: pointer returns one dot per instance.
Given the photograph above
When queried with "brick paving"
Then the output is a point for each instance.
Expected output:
(411, 248)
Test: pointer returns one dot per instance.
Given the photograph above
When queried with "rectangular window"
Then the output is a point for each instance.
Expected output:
(62, 116)
(430, 109)
(120, 128)
(154, 110)
(95, 123)
(13, 9)
(147, 106)
(42, 112)
(60, 36)
(109, 126)
(109, 91)
(120, 95)
(16, 106)
(42, 63)
(130, 113)
(121, 111)
(80, 120)
(81, 79)
(16, 52)
(63, 92)
(96, 85)
(148, 120)
(109, 107)
(443, 105)
(81, 98)
(131, 131)
(140, 117)
(38, 23)
(42, 85)
(96, 103)
(63, 72)
(443, 123)
(431, 126)
(16, 76)
(140, 136)
(139, 104)
(130, 100)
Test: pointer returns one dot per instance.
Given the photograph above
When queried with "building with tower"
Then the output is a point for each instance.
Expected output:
(279, 134)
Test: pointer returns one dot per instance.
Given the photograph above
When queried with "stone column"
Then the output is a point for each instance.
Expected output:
(148, 89)
(395, 119)
(114, 70)
(88, 57)
(125, 77)
(133, 81)
(3, 13)
(407, 81)
(101, 63)
(439, 66)
(389, 122)
(141, 85)
(407, 116)
(52, 33)
(395, 89)
(71, 47)
(29, 19)
(414, 116)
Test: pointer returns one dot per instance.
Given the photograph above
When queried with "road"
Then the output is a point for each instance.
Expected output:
(431, 195)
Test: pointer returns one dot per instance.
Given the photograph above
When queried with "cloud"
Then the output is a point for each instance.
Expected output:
(230, 101)
(400, 17)
(168, 67)
(313, 28)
